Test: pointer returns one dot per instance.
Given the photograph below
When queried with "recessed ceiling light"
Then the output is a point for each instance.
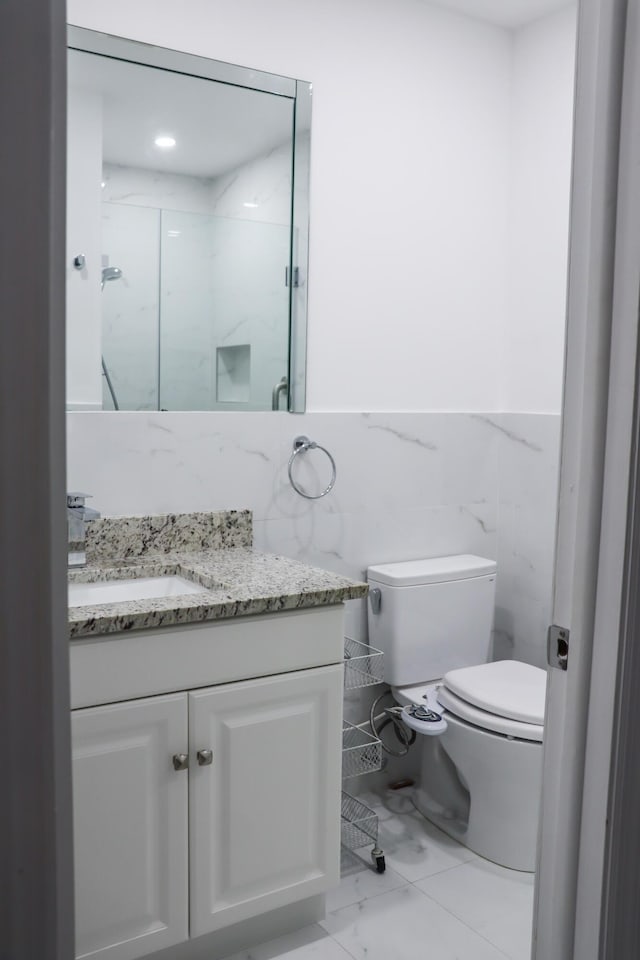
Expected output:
(248, 203)
(165, 142)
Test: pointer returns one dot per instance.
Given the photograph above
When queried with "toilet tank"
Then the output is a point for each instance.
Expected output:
(433, 615)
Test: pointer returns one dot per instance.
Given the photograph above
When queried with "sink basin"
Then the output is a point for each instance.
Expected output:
(117, 591)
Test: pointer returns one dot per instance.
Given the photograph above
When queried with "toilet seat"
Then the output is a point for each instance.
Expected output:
(499, 697)
(489, 721)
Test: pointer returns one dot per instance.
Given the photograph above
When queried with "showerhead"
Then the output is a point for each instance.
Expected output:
(110, 273)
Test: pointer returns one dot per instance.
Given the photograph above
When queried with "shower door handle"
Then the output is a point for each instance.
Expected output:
(281, 387)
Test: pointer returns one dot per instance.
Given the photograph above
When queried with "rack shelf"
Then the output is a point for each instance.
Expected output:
(359, 826)
(362, 664)
(361, 752)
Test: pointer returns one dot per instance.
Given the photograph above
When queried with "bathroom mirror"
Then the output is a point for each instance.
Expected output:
(187, 231)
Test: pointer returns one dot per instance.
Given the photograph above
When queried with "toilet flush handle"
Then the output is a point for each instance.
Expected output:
(375, 599)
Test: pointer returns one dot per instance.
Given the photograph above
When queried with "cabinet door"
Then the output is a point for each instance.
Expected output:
(265, 813)
(130, 827)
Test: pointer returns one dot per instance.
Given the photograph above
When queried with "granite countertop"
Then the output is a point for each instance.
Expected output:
(236, 580)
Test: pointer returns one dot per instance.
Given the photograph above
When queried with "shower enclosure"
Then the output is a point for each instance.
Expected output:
(188, 185)
(199, 318)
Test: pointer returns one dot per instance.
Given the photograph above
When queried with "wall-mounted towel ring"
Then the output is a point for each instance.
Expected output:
(301, 445)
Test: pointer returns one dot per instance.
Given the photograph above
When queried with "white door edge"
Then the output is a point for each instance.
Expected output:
(592, 236)
(610, 597)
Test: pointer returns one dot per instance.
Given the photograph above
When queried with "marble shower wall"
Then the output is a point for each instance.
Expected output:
(223, 321)
(131, 241)
(409, 485)
(264, 183)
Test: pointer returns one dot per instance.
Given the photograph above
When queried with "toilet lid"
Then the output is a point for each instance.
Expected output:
(506, 688)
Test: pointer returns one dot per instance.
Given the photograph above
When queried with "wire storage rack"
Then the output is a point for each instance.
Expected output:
(362, 664)
(361, 752)
(359, 828)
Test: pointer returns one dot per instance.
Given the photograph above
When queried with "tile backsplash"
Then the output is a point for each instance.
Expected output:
(124, 537)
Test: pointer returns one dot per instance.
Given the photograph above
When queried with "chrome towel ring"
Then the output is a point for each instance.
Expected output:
(300, 445)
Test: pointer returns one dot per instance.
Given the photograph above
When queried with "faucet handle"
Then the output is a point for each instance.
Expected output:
(77, 499)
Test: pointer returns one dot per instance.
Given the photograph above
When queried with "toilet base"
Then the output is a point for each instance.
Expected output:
(483, 790)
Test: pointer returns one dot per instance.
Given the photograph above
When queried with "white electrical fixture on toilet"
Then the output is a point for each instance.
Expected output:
(481, 767)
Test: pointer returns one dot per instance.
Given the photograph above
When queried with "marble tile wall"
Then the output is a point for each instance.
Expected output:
(187, 373)
(265, 183)
(250, 303)
(529, 459)
(409, 485)
(138, 187)
(257, 190)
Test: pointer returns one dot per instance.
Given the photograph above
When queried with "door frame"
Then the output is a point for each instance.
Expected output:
(585, 712)
(36, 864)
(609, 874)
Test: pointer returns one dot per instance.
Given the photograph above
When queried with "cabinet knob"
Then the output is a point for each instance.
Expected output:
(205, 757)
(180, 761)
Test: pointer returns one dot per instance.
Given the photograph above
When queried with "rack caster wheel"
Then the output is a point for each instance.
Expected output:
(378, 858)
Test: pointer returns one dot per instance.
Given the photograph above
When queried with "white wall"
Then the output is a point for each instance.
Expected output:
(84, 168)
(541, 134)
(408, 206)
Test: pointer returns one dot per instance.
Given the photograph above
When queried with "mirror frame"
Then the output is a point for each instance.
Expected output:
(300, 92)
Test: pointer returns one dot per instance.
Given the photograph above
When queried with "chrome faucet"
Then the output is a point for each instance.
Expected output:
(77, 516)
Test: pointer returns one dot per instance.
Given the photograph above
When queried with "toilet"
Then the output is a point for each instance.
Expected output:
(481, 769)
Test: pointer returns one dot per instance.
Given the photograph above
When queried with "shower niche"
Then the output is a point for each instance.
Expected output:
(233, 373)
(187, 214)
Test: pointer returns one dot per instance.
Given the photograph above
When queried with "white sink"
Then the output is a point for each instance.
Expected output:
(117, 591)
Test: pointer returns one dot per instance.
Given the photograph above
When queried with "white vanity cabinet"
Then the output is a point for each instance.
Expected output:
(265, 813)
(130, 827)
(198, 809)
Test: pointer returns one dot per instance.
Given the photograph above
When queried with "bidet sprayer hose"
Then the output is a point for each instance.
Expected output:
(405, 736)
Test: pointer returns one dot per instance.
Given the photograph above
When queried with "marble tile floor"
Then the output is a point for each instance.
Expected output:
(436, 899)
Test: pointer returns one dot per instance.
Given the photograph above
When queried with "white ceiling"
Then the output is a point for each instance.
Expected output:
(217, 127)
(505, 13)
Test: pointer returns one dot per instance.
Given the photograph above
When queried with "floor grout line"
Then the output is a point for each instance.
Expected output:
(341, 945)
(438, 873)
(433, 900)
(463, 922)
(348, 906)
